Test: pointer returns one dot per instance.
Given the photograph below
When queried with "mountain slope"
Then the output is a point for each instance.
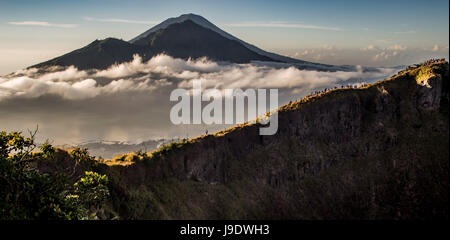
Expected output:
(378, 152)
(99, 54)
(187, 36)
(201, 21)
(187, 39)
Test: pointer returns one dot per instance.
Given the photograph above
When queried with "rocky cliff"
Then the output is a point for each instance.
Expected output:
(375, 152)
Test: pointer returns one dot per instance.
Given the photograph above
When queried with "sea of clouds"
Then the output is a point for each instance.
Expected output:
(162, 71)
(130, 101)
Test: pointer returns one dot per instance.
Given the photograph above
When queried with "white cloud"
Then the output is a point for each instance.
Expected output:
(328, 47)
(385, 55)
(397, 47)
(369, 48)
(435, 48)
(159, 64)
(43, 24)
(381, 56)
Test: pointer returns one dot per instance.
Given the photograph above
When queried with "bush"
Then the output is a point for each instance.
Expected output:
(26, 193)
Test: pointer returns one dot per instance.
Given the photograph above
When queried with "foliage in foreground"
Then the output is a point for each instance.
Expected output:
(27, 193)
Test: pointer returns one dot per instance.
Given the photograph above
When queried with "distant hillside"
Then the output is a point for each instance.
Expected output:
(99, 54)
(109, 150)
(376, 152)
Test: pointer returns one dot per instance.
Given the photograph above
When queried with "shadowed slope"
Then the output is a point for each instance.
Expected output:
(378, 152)
(187, 39)
(99, 54)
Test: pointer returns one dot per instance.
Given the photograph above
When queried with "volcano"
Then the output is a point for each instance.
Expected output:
(186, 36)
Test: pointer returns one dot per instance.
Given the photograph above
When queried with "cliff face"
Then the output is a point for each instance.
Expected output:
(375, 152)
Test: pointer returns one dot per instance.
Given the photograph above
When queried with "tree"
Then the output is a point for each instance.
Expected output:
(26, 193)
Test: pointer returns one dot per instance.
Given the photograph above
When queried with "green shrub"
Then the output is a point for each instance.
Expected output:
(26, 193)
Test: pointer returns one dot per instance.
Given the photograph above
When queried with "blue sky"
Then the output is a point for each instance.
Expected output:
(375, 33)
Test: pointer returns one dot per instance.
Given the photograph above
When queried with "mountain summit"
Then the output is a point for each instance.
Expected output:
(203, 22)
(186, 36)
(197, 19)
